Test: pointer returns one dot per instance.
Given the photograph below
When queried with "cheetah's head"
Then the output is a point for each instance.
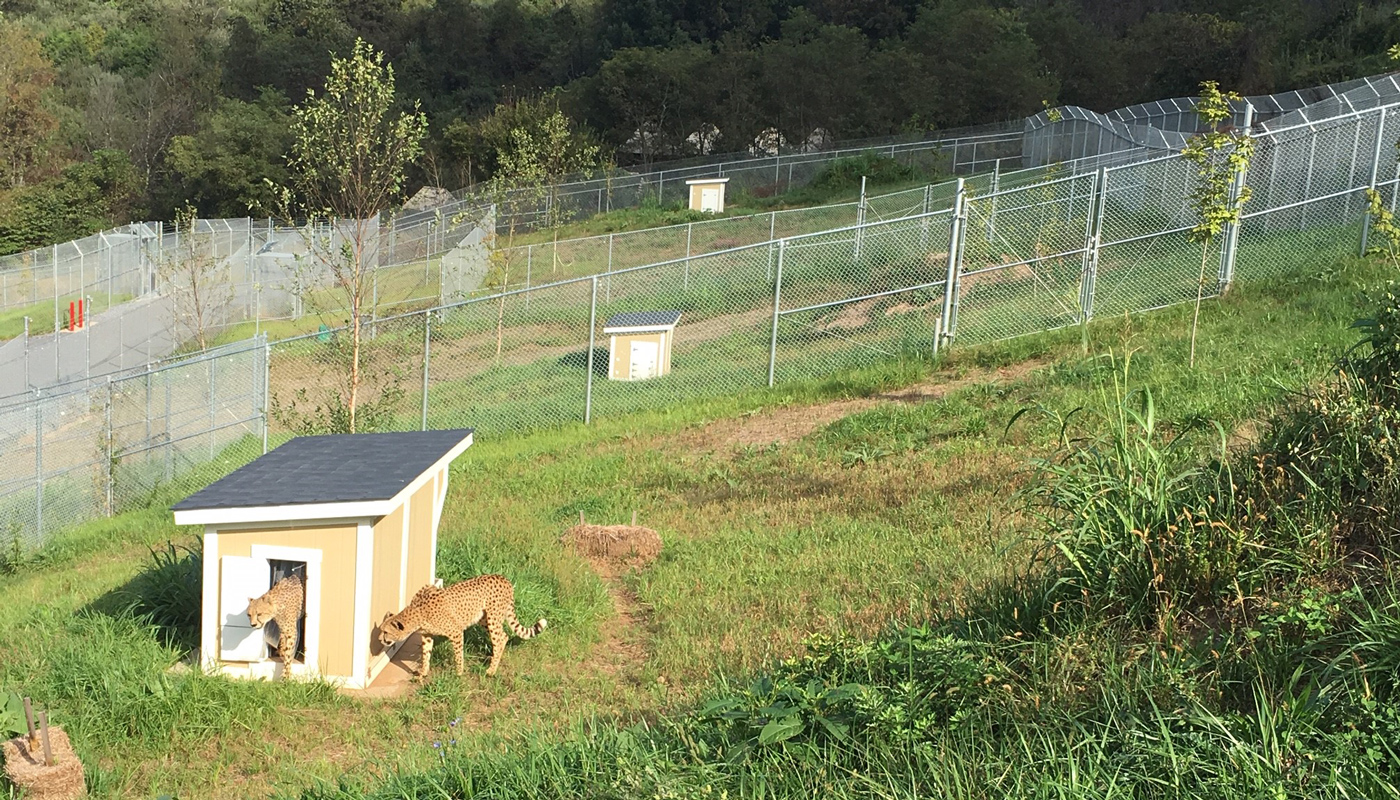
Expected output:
(393, 629)
(260, 610)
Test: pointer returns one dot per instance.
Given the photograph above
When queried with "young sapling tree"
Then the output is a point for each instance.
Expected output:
(1221, 155)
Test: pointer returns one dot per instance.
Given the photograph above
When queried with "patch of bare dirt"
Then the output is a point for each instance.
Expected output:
(613, 551)
(790, 423)
(852, 316)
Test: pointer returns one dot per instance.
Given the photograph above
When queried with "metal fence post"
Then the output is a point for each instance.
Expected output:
(777, 309)
(1232, 231)
(1093, 234)
(26, 353)
(685, 279)
(951, 278)
(992, 211)
(266, 392)
(860, 220)
(56, 326)
(109, 465)
(530, 266)
(1375, 169)
(427, 351)
(38, 465)
(592, 328)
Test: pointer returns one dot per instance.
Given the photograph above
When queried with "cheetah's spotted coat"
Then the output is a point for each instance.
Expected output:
(285, 604)
(488, 599)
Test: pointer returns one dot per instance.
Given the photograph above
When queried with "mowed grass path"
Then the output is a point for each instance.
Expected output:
(835, 506)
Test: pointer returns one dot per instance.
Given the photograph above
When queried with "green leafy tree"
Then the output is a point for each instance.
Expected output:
(26, 125)
(87, 196)
(351, 149)
(1221, 156)
(227, 168)
(526, 183)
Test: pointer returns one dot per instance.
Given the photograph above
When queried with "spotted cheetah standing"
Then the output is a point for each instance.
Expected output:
(488, 599)
(285, 604)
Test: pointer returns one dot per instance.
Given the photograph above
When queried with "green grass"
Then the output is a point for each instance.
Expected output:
(1167, 642)
(41, 315)
(866, 512)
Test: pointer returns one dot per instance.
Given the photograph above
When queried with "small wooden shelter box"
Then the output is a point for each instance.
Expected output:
(355, 515)
(707, 194)
(639, 344)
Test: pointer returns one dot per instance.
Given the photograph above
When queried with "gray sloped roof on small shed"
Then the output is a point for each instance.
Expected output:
(643, 319)
(329, 469)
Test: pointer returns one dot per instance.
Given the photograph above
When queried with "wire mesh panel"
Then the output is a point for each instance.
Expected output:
(1272, 244)
(166, 423)
(510, 363)
(1152, 272)
(1023, 253)
(98, 449)
(860, 296)
(719, 346)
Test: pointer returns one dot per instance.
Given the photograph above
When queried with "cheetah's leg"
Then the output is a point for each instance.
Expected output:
(427, 654)
(456, 641)
(286, 645)
(498, 641)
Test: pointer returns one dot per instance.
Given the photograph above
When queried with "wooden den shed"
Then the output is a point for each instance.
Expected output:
(356, 516)
(707, 194)
(639, 344)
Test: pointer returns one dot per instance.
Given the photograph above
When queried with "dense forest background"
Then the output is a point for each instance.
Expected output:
(112, 110)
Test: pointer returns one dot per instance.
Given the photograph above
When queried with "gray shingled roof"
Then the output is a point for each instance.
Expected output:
(329, 469)
(643, 319)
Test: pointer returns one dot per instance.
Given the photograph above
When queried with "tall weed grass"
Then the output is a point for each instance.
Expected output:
(1206, 620)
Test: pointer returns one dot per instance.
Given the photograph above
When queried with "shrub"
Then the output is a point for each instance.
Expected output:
(844, 174)
(167, 593)
(1135, 521)
(1330, 462)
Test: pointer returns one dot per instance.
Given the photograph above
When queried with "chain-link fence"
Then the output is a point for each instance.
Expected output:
(759, 302)
(90, 451)
(1009, 255)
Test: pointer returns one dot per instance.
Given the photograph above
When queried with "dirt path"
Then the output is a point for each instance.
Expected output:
(790, 423)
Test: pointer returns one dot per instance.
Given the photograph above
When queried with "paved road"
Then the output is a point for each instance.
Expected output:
(123, 337)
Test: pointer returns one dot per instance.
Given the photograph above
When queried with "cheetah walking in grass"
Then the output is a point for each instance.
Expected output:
(285, 604)
(488, 599)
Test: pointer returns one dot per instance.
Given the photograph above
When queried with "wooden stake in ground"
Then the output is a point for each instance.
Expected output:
(29, 721)
(44, 726)
(634, 517)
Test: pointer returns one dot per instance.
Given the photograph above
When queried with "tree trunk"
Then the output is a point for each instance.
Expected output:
(357, 287)
(1200, 290)
(354, 360)
(500, 325)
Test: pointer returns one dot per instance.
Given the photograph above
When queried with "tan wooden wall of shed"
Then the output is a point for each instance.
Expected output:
(622, 353)
(697, 188)
(388, 571)
(337, 546)
(420, 537)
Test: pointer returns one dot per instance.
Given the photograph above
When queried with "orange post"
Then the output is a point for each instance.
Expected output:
(80, 313)
(71, 316)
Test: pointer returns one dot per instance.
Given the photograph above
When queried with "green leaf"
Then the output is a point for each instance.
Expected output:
(11, 715)
(780, 730)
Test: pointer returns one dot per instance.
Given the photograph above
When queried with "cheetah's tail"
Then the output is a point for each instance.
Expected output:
(524, 632)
